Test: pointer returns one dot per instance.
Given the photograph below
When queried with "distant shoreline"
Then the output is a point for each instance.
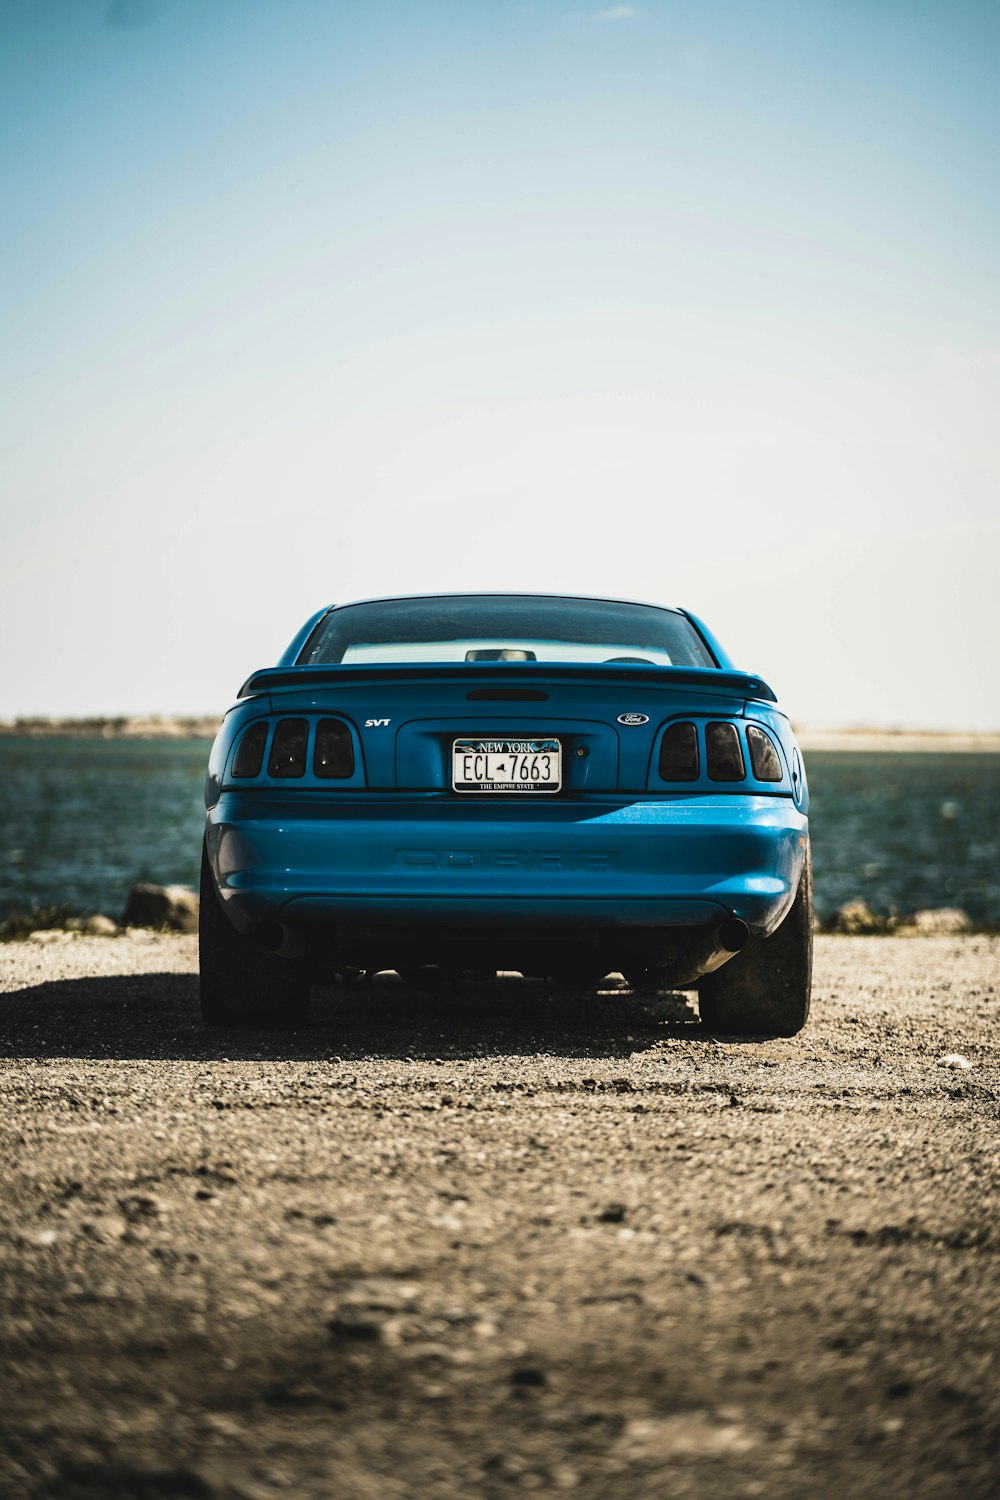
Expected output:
(124, 727)
(811, 737)
(193, 726)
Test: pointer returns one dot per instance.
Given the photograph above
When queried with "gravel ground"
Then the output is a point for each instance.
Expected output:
(465, 1244)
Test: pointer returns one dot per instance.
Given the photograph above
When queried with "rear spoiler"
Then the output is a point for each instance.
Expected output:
(732, 684)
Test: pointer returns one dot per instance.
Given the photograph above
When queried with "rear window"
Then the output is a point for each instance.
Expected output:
(509, 628)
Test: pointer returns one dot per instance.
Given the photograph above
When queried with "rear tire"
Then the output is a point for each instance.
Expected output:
(239, 984)
(765, 990)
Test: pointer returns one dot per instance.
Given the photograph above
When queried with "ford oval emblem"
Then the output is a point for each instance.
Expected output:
(633, 718)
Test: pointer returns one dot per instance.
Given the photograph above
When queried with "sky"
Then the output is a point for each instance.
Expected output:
(306, 301)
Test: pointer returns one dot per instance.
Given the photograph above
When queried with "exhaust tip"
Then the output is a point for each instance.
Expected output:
(733, 935)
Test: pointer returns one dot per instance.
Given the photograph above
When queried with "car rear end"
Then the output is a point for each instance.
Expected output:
(503, 808)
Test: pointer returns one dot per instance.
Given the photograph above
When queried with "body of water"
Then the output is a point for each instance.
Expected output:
(82, 820)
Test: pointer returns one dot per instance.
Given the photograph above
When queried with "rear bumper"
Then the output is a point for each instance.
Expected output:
(427, 858)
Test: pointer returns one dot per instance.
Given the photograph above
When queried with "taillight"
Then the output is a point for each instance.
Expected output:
(333, 754)
(679, 753)
(724, 753)
(763, 755)
(249, 755)
(288, 749)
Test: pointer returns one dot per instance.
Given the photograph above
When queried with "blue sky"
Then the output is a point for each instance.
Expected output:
(309, 301)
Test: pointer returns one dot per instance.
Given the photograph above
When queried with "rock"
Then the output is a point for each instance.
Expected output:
(856, 917)
(41, 1239)
(104, 1228)
(355, 1325)
(686, 1434)
(293, 1392)
(99, 926)
(613, 1214)
(954, 1060)
(136, 1206)
(944, 921)
(380, 1294)
(171, 906)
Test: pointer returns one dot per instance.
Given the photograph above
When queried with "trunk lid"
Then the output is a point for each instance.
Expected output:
(407, 717)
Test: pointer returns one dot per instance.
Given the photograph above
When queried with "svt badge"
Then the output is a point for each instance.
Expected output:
(633, 718)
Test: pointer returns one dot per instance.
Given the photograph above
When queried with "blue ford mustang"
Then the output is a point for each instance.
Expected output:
(465, 783)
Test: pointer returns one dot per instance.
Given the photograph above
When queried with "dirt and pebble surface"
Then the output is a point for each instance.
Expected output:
(498, 1240)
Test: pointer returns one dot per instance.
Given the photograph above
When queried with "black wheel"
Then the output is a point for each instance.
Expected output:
(240, 984)
(764, 991)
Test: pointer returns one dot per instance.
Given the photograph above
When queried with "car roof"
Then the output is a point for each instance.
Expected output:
(506, 594)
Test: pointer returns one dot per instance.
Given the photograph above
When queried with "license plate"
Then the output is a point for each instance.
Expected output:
(506, 765)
